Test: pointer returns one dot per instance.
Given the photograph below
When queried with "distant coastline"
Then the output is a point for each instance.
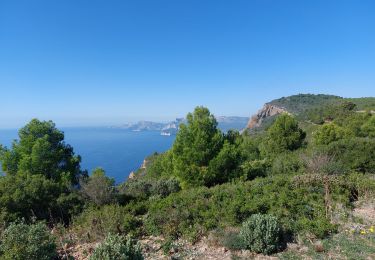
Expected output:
(171, 128)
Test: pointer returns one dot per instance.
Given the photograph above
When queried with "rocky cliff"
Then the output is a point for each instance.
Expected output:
(268, 110)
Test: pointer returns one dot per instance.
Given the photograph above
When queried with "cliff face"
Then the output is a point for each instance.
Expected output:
(267, 111)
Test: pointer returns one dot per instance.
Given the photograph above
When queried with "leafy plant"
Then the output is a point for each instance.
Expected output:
(98, 188)
(116, 247)
(329, 133)
(283, 135)
(196, 144)
(21, 241)
(261, 233)
(163, 187)
(95, 223)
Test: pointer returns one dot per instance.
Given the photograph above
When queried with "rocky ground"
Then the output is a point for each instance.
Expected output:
(181, 249)
(350, 243)
(201, 250)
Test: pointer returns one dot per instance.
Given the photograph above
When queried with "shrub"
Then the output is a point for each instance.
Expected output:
(328, 133)
(142, 188)
(355, 153)
(163, 188)
(116, 247)
(253, 169)
(224, 167)
(95, 223)
(318, 227)
(283, 135)
(286, 163)
(28, 196)
(261, 233)
(22, 241)
(160, 165)
(191, 213)
(167, 246)
(98, 188)
(228, 237)
(136, 188)
(369, 127)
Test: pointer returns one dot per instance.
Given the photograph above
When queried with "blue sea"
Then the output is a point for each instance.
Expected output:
(118, 151)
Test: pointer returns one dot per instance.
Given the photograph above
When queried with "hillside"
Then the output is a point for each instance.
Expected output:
(295, 190)
(308, 107)
(298, 104)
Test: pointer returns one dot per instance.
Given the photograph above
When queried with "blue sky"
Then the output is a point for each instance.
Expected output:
(108, 62)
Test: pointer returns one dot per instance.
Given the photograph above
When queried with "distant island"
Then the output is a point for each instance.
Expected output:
(225, 123)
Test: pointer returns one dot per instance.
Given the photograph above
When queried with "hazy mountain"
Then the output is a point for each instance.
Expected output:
(225, 123)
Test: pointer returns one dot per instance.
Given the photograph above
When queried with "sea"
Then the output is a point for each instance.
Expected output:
(117, 151)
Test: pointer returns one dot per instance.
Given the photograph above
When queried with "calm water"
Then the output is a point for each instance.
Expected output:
(117, 151)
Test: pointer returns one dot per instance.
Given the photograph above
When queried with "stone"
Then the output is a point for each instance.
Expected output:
(267, 111)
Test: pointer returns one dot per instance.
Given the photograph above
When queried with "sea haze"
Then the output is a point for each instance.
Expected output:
(118, 151)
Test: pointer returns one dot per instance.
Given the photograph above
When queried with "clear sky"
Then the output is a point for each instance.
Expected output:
(108, 62)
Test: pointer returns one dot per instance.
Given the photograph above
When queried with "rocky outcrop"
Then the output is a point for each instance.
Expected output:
(267, 111)
(131, 175)
(144, 164)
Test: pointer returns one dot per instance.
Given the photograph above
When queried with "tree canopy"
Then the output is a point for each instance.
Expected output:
(197, 143)
(41, 173)
(41, 150)
(98, 188)
(283, 135)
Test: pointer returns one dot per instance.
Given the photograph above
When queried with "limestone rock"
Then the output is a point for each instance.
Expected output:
(267, 111)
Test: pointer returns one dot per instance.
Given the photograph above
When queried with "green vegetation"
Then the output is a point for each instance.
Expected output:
(20, 241)
(197, 143)
(98, 188)
(261, 234)
(41, 173)
(284, 135)
(41, 151)
(298, 104)
(94, 223)
(115, 247)
(328, 133)
(340, 246)
(321, 108)
(296, 180)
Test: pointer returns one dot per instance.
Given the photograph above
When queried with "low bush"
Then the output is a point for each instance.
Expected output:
(98, 188)
(254, 169)
(227, 237)
(361, 186)
(356, 154)
(286, 163)
(142, 188)
(116, 247)
(163, 188)
(136, 189)
(20, 241)
(261, 233)
(95, 223)
(191, 213)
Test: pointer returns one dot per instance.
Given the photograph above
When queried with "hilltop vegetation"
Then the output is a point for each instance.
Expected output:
(301, 103)
(312, 110)
(298, 104)
(296, 182)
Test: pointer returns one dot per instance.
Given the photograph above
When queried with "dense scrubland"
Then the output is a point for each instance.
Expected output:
(289, 189)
